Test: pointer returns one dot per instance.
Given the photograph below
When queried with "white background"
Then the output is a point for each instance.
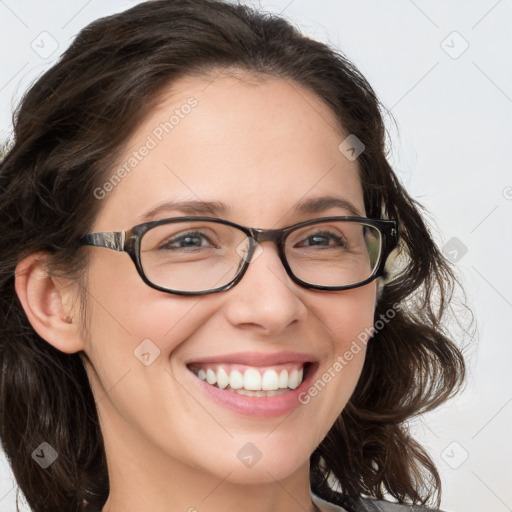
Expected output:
(453, 108)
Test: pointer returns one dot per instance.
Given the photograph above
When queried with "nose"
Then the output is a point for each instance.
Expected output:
(266, 299)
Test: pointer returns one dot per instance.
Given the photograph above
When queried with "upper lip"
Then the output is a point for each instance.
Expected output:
(258, 358)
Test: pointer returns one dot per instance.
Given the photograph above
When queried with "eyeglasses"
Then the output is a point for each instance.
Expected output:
(203, 255)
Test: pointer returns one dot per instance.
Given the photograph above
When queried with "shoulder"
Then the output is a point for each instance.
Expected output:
(368, 505)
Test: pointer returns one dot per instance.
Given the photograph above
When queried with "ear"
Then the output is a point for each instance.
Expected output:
(49, 303)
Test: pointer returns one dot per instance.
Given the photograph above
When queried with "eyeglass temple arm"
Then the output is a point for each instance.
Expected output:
(394, 235)
(112, 240)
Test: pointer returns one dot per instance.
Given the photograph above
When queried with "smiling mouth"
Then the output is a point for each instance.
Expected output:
(254, 381)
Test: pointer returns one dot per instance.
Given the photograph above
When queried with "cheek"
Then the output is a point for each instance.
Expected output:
(348, 320)
(134, 331)
(348, 315)
(131, 323)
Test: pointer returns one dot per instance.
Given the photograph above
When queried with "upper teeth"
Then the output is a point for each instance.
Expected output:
(252, 378)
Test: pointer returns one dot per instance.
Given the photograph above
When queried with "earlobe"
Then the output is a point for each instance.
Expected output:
(46, 301)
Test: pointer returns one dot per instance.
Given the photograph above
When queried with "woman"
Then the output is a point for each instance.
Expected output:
(201, 307)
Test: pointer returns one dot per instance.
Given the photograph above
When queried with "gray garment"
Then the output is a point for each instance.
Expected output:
(367, 505)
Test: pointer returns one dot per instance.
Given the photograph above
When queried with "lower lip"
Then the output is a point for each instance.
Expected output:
(260, 407)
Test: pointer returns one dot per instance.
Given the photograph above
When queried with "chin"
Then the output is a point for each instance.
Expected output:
(256, 460)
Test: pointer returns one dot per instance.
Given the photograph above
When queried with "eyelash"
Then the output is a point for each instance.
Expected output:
(182, 237)
(327, 234)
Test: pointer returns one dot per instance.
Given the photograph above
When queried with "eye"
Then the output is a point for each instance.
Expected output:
(322, 239)
(191, 240)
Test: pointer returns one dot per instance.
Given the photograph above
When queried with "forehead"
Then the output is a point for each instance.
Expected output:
(258, 144)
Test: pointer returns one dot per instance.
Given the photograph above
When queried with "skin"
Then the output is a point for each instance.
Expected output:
(259, 145)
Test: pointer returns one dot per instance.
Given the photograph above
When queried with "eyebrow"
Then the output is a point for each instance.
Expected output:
(216, 208)
(212, 208)
(320, 204)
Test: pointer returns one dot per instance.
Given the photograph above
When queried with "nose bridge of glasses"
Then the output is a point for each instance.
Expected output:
(266, 235)
(259, 236)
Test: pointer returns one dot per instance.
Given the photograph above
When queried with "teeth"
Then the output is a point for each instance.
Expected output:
(293, 379)
(222, 378)
(236, 379)
(211, 376)
(259, 393)
(270, 380)
(283, 379)
(250, 381)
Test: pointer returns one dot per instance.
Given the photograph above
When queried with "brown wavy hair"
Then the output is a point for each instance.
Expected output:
(69, 130)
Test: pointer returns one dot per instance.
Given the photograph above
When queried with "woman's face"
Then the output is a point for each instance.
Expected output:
(260, 147)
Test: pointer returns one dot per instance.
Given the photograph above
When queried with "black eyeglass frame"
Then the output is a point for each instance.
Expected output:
(129, 242)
